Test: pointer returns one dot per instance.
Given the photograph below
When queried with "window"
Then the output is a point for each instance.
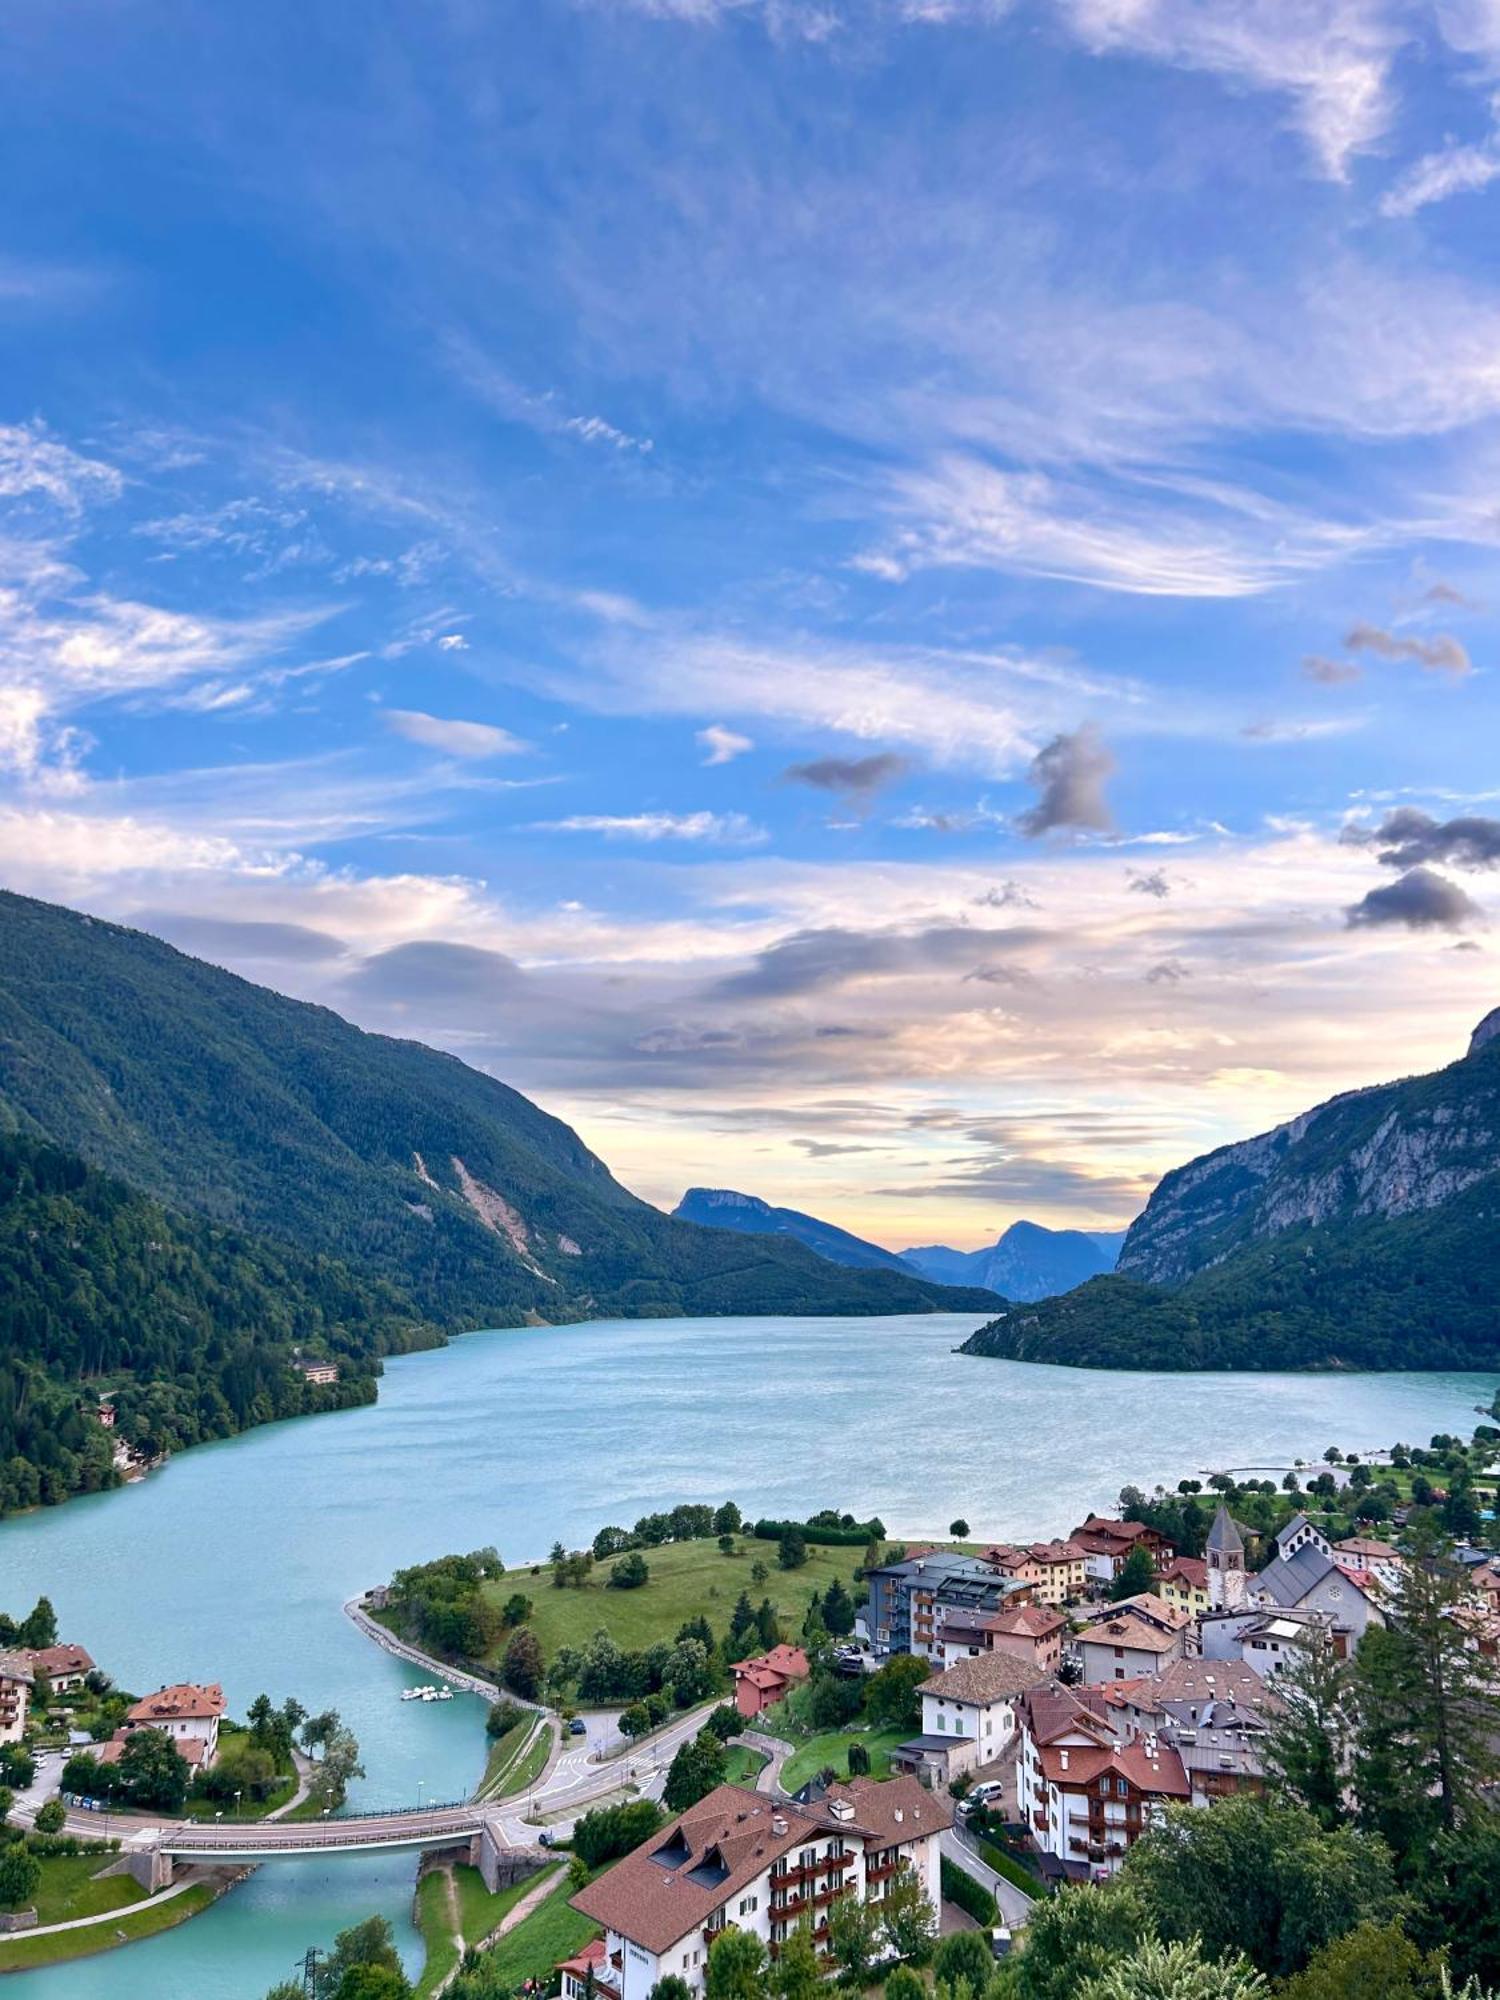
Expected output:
(1104, 1788)
(1121, 1787)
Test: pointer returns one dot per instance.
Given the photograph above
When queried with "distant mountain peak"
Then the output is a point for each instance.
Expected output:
(726, 1208)
(1486, 1032)
(1028, 1262)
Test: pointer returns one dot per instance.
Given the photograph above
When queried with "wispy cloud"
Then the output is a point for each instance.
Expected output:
(453, 737)
(1440, 654)
(723, 745)
(712, 829)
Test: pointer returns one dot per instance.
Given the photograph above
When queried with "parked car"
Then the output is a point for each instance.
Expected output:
(1000, 1940)
(578, 1727)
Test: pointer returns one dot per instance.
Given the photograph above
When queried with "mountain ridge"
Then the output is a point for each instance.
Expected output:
(1364, 1233)
(1027, 1261)
(748, 1215)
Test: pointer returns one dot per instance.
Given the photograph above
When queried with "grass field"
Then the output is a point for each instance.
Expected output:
(742, 1765)
(68, 1888)
(686, 1578)
(834, 1749)
(21, 1954)
(552, 1932)
(456, 1899)
(516, 1761)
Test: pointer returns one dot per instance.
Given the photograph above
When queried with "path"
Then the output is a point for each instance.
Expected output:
(776, 1750)
(1015, 1904)
(189, 1881)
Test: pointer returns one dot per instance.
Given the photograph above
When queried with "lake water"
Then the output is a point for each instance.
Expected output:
(232, 1563)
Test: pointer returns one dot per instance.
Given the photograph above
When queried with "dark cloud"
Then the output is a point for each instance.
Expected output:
(1006, 896)
(1420, 900)
(851, 777)
(437, 972)
(1445, 593)
(1149, 882)
(1017, 1183)
(825, 1149)
(1441, 654)
(1407, 837)
(1330, 673)
(1070, 773)
(230, 942)
(813, 961)
(1169, 972)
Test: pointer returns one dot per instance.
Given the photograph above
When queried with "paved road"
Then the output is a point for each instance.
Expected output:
(1015, 1905)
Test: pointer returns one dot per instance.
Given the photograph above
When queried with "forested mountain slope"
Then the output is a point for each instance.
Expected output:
(1364, 1234)
(262, 1113)
(721, 1208)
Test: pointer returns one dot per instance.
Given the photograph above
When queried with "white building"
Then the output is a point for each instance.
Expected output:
(969, 1711)
(1267, 1641)
(189, 1714)
(1086, 1798)
(1133, 1643)
(15, 1693)
(742, 1858)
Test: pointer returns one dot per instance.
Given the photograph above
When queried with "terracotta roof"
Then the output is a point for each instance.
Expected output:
(1133, 1632)
(191, 1749)
(1054, 1711)
(782, 1663)
(990, 1677)
(184, 1702)
(1030, 1621)
(673, 1883)
(55, 1660)
(1198, 1680)
(1155, 1610)
(1162, 1773)
(1187, 1569)
(1115, 1531)
(1366, 1547)
(15, 1667)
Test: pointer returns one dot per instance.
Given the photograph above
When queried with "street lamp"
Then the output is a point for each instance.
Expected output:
(237, 1797)
(421, 1782)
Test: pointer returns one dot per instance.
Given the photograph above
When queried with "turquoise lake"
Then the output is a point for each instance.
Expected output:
(232, 1563)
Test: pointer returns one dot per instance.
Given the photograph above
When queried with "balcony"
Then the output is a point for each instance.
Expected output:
(789, 1906)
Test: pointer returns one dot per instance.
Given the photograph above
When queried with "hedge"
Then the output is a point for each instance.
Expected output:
(1014, 1871)
(972, 1897)
(843, 1538)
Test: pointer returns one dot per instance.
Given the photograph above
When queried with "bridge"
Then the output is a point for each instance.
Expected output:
(474, 1826)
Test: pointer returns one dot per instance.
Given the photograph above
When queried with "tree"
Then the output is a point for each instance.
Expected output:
(630, 1572)
(742, 1628)
(521, 1669)
(673, 1987)
(516, 1609)
(797, 1975)
(959, 1529)
(964, 1955)
(736, 1966)
(335, 1770)
(373, 1982)
(610, 1831)
(891, 1700)
(690, 1674)
(319, 1730)
(1307, 1745)
(150, 1772)
(1137, 1573)
(838, 1609)
(696, 1769)
(852, 1937)
(51, 1816)
(904, 1984)
(39, 1627)
(859, 1760)
(758, 1571)
(1428, 1706)
(370, 1944)
(85, 1777)
(1180, 1971)
(791, 1551)
(1260, 1878)
(908, 1922)
(1079, 1935)
(502, 1717)
(17, 1765)
(1458, 1907)
(20, 1871)
(1371, 1962)
(767, 1624)
(728, 1520)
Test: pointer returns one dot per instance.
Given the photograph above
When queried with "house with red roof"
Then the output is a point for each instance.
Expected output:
(762, 1682)
(1085, 1797)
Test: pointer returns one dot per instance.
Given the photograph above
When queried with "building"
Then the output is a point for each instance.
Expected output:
(1108, 1545)
(1086, 1799)
(1056, 1571)
(968, 1716)
(1130, 1645)
(15, 1694)
(739, 1857)
(913, 1600)
(66, 1667)
(1214, 1713)
(591, 1973)
(1032, 1633)
(1308, 1579)
(1183, 1584)
(762, 1682)
(1225, 1555)
(1267, 1641)
(189, 1714)
(318, 1371)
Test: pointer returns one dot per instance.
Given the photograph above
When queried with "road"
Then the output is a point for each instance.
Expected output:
(1015, 1905)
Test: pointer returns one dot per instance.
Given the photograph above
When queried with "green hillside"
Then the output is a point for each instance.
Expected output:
(190, 1328)
(436, 1197)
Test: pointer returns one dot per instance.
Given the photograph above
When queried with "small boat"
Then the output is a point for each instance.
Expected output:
(411, 1694)
(443, 1694)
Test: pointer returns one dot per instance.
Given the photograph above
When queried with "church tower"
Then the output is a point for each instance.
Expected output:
(1226, 1564)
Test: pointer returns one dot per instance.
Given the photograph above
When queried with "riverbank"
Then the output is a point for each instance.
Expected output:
(129, 1923)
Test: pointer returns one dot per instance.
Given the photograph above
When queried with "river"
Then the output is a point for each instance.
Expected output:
(231, 1563)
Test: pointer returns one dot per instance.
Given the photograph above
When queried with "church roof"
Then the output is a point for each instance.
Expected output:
(1224, 1536)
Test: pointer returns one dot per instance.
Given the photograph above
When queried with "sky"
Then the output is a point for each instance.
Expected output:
(888, 603)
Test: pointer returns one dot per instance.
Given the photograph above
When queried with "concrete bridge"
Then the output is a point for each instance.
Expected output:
(474, 1828)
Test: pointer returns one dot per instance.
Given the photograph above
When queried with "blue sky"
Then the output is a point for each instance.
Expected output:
(889, 602)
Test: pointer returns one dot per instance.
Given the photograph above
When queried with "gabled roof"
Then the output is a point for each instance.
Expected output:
(61, 1659)
(772, 1669)
(1159, 1771)
(1049, 1713)
(989, 1677)
(1138, 1634)
(182, 1703)
(1027, 1621)
(16, 1667)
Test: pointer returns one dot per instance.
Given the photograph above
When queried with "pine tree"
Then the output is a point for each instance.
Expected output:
(1308, 1744)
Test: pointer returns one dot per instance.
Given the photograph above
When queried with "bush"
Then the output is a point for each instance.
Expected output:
(503, 1717)
(960, 1887)
(51, 1818)
(610, 1831)
(859, 1760)
(630, 1572)
(966, 1955)
(1015, 1872)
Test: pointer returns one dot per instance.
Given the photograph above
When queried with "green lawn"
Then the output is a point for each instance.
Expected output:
(506, 1777)
(68, 1888)
(479, 1911)
(435, 1915)
(246, 1809)
(20, 1954)
(834, 1749)
(686, 1578)
(551, 1933)
(742, 1765)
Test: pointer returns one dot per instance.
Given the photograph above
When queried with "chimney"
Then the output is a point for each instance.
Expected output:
(778, 1826)
(897, 1815)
